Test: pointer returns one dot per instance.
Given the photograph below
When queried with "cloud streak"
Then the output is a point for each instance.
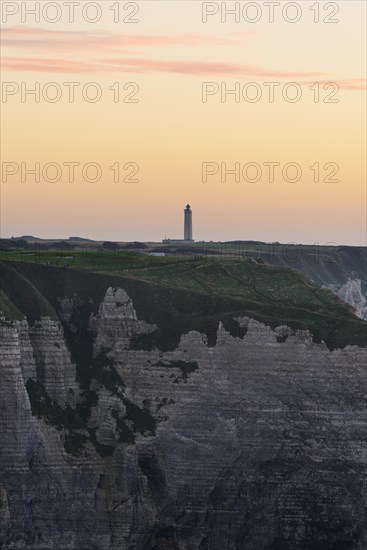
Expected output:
(69, 43)
(34, 65)
(139, 65)
(203, 68)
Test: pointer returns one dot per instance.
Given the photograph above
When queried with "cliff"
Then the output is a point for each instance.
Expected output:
(135, 418)
(351, 292)
(342, 269)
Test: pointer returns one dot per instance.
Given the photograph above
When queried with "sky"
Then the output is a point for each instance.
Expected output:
(139, 108)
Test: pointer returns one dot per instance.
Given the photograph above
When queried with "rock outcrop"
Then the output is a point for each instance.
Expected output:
(351, 292)
(256, 442)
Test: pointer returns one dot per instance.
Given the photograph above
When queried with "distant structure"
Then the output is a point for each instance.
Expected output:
(188, 223)
(187, 228)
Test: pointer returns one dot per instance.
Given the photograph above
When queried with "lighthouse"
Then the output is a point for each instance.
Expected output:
(188, 223)
(187, 229)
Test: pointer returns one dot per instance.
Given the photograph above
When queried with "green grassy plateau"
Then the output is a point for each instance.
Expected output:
(178, 293)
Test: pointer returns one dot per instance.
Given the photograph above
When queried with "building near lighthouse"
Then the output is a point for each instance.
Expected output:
(187, 228)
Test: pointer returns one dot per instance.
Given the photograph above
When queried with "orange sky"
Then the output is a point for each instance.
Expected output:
(168, 131)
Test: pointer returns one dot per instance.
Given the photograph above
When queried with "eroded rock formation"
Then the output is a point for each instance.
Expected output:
(256, 442)
(351, 293)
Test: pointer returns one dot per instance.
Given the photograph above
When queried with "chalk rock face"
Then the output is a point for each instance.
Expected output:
(116, 321)
(351, 292)
(54, 368)
(254, 443)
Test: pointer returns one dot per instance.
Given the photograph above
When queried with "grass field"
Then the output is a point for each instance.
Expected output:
(91, 260)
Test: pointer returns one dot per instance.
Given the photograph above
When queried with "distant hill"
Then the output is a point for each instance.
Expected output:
(81, 239)
(31, 238)
(27, 238)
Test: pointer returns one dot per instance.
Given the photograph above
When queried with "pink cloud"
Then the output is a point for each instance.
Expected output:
(72, 42)
(40, 39)
(138, 65)
(26, 64)
(204, 68)
(357, 84)
(352, 84)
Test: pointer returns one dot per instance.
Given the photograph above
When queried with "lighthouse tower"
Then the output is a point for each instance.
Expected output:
(188, 223)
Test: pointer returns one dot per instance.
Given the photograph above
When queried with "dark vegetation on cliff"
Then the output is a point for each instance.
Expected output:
(180, 294)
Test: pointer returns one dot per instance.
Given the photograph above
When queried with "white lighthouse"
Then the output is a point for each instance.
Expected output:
(188, 223)
(187, 229)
